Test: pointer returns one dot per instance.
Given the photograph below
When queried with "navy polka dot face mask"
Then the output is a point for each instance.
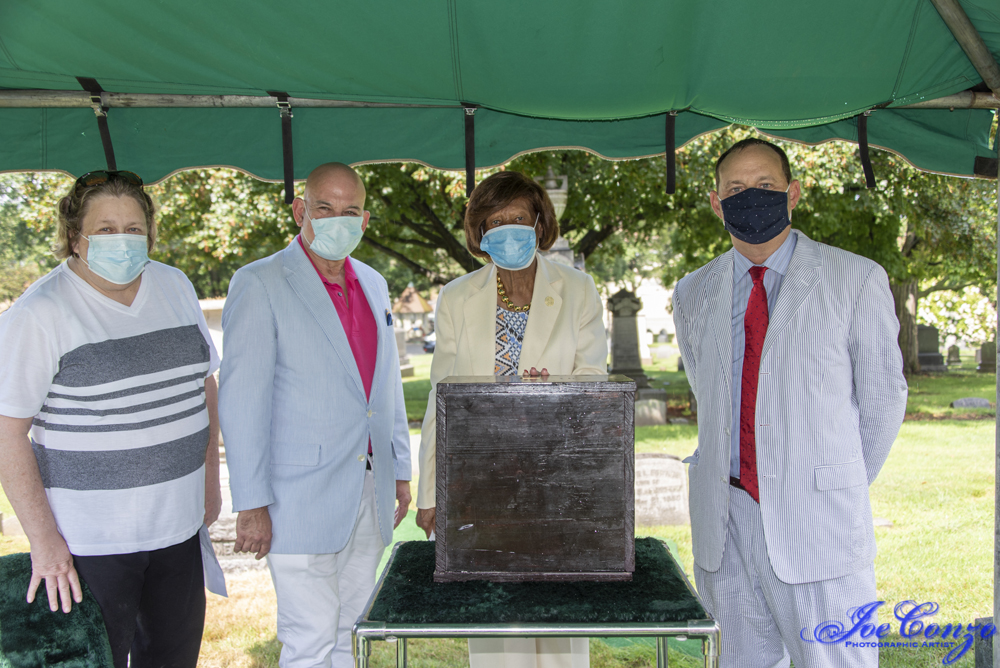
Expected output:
(755, 215)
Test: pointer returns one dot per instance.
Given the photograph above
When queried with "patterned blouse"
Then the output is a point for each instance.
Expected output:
(510, 334)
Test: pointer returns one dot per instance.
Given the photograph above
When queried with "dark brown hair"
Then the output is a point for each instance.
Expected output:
(73, 207)
(754, 141)
(500, 190)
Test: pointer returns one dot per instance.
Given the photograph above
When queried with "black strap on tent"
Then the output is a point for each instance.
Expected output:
(470, 148)
(286, 142)
(671, 144)
(866, 161)
(95, 90)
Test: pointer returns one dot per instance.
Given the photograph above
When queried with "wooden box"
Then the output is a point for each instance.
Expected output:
(535, 478)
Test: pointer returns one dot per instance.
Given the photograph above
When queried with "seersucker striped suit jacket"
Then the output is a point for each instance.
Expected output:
(294, 417)
(830, 400)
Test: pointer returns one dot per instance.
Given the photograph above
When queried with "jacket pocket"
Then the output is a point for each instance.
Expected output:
(295, 454)
(840, 476)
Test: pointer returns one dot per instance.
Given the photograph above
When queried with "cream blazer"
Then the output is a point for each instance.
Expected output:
(565, 334)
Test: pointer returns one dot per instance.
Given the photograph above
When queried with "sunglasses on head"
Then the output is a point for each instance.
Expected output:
(103, 176)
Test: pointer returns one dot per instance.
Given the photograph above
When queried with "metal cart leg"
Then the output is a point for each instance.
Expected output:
(362, 648)
(710, 648)
(401, 653)
(662, 660)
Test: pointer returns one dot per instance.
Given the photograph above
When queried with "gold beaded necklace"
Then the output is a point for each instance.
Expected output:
(506, 300)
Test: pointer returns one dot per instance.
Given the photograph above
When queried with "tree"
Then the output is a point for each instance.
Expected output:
(929, 232)
(28, 215)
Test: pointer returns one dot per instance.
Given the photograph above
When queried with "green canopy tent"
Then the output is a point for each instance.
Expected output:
(276, 88)
(187, 81)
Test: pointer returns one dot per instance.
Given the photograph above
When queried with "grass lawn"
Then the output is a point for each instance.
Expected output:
(937, 488)
(931, 394)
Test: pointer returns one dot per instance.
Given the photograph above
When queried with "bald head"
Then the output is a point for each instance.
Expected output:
(334, 175)
(332, 190)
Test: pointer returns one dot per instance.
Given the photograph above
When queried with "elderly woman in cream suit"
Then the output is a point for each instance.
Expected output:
(520, 314)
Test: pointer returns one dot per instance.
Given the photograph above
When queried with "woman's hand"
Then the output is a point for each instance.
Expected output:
(426, 518)
(52, 562)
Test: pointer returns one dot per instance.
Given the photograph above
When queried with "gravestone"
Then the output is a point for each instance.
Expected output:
(971, 402)
(625, 360)
(986, 357)
(661, 491)
(954, 355)
(405, 368)
(650, 412)
(984, 646)
(927, 349)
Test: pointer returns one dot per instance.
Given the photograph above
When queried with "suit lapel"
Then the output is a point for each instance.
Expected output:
(803, 275)
(545, 304)
(719, 292)
(308, 286)
(378, 308)
(479, 312)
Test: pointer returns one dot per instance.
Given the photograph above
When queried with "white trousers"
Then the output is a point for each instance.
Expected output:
(761, 617)
(320, 596)
(529, 653)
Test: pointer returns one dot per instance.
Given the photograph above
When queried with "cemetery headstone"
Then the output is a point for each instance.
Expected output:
(927, 349)
(625, 360)
(405, 368)
(954, 355)
(650, 412)
(971, 402)
(986, 357)
(661, 493)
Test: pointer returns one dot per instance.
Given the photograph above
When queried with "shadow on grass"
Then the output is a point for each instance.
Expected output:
(264, 654)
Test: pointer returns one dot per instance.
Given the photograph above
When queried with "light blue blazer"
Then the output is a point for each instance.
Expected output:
(292, 407)
(830, 400)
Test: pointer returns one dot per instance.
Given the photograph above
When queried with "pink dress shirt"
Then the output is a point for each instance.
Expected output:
(357, 319)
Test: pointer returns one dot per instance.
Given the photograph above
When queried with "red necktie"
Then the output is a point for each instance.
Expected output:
(755, 327)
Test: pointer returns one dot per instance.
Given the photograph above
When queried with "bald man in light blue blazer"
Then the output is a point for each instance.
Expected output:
(315, 465)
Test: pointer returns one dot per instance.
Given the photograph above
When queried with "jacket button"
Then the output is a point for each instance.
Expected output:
(361, 458)
(371, 413)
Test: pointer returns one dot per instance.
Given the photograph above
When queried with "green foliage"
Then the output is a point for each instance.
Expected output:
(966, 314)
(28, 219)
(214, 221)
(939, 230)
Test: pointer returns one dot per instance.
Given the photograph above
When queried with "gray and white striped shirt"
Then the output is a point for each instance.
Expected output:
(117, 397)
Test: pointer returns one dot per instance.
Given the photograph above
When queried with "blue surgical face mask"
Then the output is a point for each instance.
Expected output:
(511, 247)
(755, 215)
(117, 258)
(336, 237)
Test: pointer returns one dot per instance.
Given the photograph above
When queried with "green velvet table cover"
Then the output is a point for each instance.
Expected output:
(31, 635)
(657, 593)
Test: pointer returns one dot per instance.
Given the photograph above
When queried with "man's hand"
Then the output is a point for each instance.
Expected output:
(426, 518)
(51, 561)
(403, 501)
(253, 532)
(535, 373)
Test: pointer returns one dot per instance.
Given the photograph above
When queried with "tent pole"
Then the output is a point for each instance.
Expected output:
(56, 99)
(971, 42)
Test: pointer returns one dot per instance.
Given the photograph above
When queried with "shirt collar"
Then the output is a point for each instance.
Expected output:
(777, 262)
(350, 277)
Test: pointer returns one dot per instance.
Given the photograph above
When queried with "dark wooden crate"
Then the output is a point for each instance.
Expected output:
(535, 478)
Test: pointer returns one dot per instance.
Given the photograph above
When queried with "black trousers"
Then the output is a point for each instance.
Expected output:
(153, 604)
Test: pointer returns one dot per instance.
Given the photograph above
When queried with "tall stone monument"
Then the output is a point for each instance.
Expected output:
(927, 349)
(625, 359)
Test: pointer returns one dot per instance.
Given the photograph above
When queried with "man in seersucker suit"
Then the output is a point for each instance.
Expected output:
(790, 347)
(312, 414)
